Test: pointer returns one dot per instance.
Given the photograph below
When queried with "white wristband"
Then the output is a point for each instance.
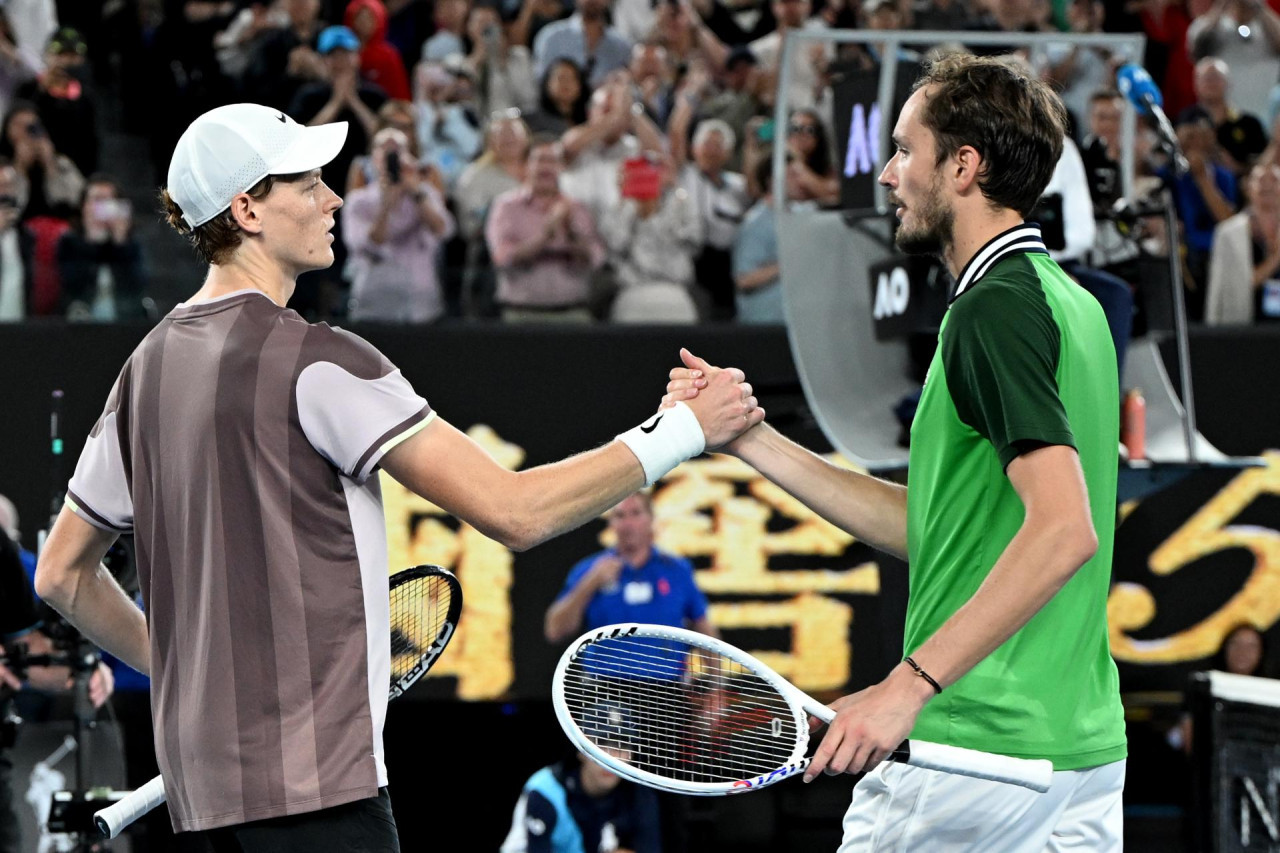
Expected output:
(665, 440)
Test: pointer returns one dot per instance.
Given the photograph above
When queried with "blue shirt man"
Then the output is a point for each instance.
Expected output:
(587, 39)
(633, 582)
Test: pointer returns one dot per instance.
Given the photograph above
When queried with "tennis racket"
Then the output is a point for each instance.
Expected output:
(426, 603)
(683, 712)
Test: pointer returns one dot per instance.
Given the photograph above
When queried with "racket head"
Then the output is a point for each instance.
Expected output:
(426, 604)
(720, 722)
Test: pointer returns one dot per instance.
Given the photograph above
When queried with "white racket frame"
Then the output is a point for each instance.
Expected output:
(1034, 774)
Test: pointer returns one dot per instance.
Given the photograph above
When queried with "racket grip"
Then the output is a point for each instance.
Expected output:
(1036, 774)
(114, 818)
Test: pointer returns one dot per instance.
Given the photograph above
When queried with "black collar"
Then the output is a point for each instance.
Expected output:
(1018, 240)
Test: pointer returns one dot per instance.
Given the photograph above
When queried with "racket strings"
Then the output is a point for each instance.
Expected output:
(682, 714)
(419, 609)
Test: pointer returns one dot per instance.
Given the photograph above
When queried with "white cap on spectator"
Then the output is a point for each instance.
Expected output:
(229, 149)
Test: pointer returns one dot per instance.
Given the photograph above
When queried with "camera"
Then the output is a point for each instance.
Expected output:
(393, 166)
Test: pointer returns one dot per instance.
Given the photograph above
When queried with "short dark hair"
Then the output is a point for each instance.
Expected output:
(1104, 94)
(216, 241)
(1016, 123)
(540, 140)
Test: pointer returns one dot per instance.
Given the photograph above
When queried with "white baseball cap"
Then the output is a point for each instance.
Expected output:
(229, 149)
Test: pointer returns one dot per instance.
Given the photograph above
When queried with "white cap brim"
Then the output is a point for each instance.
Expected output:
(315, 147)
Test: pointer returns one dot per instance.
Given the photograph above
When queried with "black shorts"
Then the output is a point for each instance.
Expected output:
(364, 826)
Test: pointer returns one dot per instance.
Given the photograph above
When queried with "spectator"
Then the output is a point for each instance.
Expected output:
(16, 247)
(17, 66)
(808, 75)
(630, 582)
(651, 78)
(1246, 34)
(447, 133)
(344, 96)
(1243, 652)
(498, 170)
(62, 102)
(1205, 196)
(286, 59)
(394, 229)
(1067, 202)
(811, 174)
(100, 260)
(235, 46)
(403, 117)
(504, 71)
(576, 805)
(943, 15)
(531, 18)
(721, 200)
(562, 101)
(678, 30)
(1240, 135)
(48, 188)
(1077, 71)
(380, 64)
(653, 236)
(451, 21)
(1100, 150)
(616, 130)
(1244, 266)
(756, 272)
(737, 102)
(587, 39)
(544, 245)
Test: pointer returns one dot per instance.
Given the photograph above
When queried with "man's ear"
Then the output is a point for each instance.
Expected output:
(966, 168)
(244, 210)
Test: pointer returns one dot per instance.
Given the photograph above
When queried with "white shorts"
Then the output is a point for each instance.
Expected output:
(901, 809)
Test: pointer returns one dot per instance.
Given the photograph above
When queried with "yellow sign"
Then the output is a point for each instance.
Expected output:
(697, 513)
(1132, 606)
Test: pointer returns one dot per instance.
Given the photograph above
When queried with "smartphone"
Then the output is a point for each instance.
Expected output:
(393, 166)
(764, 133)
(641, 179)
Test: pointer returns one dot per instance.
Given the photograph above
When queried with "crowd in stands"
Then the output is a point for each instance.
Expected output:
(596, 160)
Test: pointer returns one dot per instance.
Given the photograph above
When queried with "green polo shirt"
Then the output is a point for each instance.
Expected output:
(1025, 359)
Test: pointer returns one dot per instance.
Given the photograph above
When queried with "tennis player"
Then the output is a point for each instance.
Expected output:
(238, 446)
(1008, 520)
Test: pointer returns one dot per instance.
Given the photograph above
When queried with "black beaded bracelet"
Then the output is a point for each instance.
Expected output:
(937, 688)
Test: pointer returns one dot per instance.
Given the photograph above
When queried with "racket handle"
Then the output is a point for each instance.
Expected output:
(114, 818)
(1036, 774)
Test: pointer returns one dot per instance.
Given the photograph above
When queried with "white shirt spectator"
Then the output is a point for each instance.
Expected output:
(593, 177)
(721, 207)
(1070, 182)
(804, 77)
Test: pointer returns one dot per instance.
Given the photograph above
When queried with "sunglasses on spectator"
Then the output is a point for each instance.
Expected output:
(806, 129)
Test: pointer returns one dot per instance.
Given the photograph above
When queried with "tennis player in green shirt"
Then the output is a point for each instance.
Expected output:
(1007, 522)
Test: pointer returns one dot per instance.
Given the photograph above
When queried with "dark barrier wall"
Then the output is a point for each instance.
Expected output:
(1190, 561)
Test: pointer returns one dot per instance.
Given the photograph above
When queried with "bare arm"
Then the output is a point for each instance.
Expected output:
(704, 626)
(73, 581)
(1055, 540)
(757, 278)
(678, 128)
(873, 510)
(564, 617)
(1218, 204)
(521, 509)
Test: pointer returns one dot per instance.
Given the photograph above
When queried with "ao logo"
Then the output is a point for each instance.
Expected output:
(863, 152)
(893, 292)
